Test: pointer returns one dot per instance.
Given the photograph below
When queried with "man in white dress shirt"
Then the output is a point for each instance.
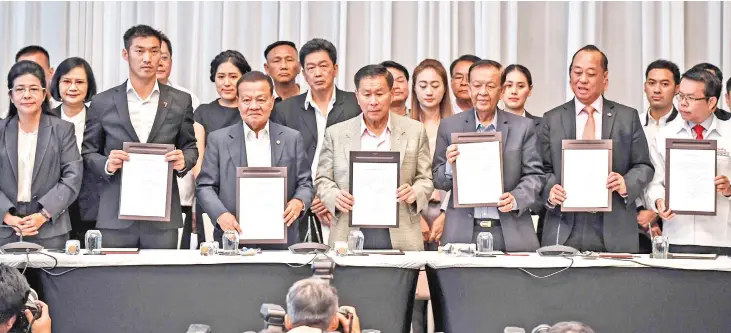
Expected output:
(254, 142)
(186, 185)
(694, 233)
(139, 110)
(662, 79)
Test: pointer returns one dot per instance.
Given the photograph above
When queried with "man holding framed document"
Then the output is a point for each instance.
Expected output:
(691, 188)
(378, 153)
(255, 177)
(495, 174)
(140, 111)
(589, 116)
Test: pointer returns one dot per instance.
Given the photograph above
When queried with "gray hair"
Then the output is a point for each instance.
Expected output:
(312, 302)
(570, 327)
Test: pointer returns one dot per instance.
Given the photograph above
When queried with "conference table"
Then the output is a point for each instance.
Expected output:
(167, 290)
(610, 295)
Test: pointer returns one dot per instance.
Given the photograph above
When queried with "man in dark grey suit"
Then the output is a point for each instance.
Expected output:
(312, 112)
(139, 110)
(254, 142)
(590, 116)
(510, 223)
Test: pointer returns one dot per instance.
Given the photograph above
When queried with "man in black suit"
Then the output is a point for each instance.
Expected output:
(139, 110)
(590, 116)
(720, 113)
(310, 113)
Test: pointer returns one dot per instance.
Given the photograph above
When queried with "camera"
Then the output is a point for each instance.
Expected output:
(273, 315)
(22, 324)
(323, 268)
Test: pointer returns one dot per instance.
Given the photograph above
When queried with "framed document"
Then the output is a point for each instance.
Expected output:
(690, 171)
(586, 166)
(374, 179)
(261, 198)
(477, 176)
(147, 182)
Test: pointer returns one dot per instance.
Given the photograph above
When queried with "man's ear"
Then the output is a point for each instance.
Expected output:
(287, 322)
(334, 323)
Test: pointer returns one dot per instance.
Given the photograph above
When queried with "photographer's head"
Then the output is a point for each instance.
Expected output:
(313, 303)
(14, 291)
(570, 327)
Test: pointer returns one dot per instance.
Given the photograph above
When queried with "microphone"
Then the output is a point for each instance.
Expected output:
(199, 328)
(542, 328)
(557, 250)
(19, 247)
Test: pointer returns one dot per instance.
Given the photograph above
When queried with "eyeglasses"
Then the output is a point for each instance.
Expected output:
(687, 98)
(33, 90)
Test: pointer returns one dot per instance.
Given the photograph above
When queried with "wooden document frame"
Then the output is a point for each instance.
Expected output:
(152, 149)
(473, 137)
(690, 144)
(261, 172)
(587, 145)
(375, 157)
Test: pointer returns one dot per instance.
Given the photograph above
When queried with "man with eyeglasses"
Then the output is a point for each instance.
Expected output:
(696, 104)
(458, 70)
(590, 116)
(713, 69)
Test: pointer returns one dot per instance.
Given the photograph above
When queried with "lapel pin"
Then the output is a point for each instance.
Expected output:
(164, 104)
(609, 114)
(277, 141)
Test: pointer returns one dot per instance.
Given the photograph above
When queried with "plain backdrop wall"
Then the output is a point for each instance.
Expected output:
(539, 35)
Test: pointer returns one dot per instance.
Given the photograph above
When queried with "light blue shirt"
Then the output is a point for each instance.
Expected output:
(482, 212)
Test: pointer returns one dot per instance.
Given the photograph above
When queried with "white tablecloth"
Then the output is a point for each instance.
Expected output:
(411, 260)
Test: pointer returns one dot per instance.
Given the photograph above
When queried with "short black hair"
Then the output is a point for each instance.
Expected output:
(140, 31)
(318, 44)
(14, 290)
(712, 86)
(21, 68)
(255, 76)
(373, 71)
(519, 68)
(711, 68)
(166, 40)
(232, 56)
(483, 63)
(728, 86)
(64, 68)
(466, 57)
(664, 64)
(591, 48)
(396, 66)
(278, 43)
(33, 49)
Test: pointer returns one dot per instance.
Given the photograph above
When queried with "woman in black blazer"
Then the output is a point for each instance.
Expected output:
(40, 164)
(74, 85)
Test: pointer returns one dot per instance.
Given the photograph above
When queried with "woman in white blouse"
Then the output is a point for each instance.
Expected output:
(74, 85)
(39, 161)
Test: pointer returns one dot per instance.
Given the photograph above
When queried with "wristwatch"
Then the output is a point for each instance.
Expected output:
(45, 214)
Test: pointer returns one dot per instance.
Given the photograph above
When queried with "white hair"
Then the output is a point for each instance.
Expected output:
(312, 302)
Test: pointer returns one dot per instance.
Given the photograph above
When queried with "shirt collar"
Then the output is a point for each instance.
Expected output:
(478, 124)
(155, 89)
(309, 101)
(81, 114)
(662, 121)
(248, 131)
(598, 105)
(364, 128)
(709, 125)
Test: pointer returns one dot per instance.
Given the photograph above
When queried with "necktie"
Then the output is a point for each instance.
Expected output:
(590, 124)
(698, 129)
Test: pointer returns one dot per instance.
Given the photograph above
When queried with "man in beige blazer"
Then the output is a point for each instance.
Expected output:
(376, 129)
